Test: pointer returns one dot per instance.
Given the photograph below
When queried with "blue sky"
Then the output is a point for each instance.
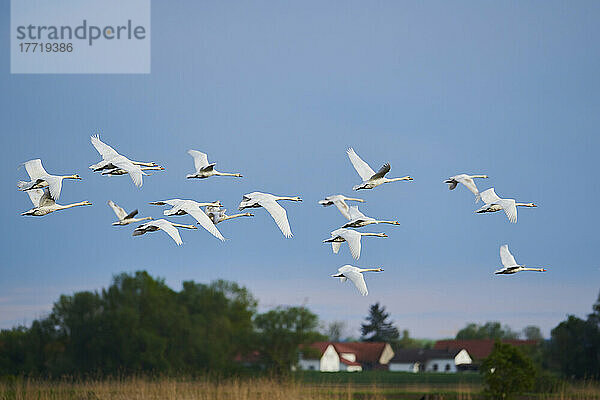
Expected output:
(278, 91)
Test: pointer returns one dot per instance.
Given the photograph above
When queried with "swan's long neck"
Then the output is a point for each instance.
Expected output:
(370, 270)
(388, 222)
(404, 178)
(373, 234)
(225, 218)
(152, 168)
(288, 198)
(534, 269)
(227, 174)
(183, 226)
(141, 219)
(81, 203)
(353, 199)
(144, 164)
(478, 176)
(525, 205)
(70, 177)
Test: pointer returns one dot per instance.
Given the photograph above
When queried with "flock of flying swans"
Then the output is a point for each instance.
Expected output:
(44, 190)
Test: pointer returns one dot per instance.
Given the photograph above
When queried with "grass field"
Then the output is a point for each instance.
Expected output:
(332, 387)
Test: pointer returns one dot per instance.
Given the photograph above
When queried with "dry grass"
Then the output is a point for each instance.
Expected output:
(164, 389)
(253, 389)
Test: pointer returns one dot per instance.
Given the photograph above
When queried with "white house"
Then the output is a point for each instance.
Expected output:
(429, 360)
(349, 357)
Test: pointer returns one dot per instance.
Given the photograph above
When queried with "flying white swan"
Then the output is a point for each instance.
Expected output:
(113, 160)
(355, 275)
(494, 203)
(40, 178)
(124, 218)
(269, 202)
(467, 181)
(43, 203)
(119, 171)
(191, 207)
(339, 200)
(170, 228)
(369, 177)
(203, 168)
(358, 219)
(351, 237)
(510, 264)
(218, 214)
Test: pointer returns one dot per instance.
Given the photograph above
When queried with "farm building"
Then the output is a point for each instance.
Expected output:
(350, 357)
(429, 360)
(478, 349)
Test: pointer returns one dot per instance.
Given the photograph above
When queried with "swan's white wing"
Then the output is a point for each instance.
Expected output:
(335, 246)
(119, 212)
(200, 159)
(46, 199)
(35, 195)
(510, 208)
(489, 196)
(343, 207)
(279, 215)
(507, 259)
(353, 240)
(105, 150)
(358, 279)
(167, 227)
(204, 221)
(382, 171)
(55, 185)
(34, 169)
(360, 166)
(469, 184)
(355, 213)
(134, 171)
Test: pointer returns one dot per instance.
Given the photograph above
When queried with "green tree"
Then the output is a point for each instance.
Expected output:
(137, 324)
(334, 331)
(378, 328)
(507, 371)
(489, 330)
(281, 331)
(532, 332)
(594, 317)
(574, 348)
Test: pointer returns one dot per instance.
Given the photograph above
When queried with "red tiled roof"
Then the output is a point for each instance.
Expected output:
(478, 348)
(365, 351)
(348, 362)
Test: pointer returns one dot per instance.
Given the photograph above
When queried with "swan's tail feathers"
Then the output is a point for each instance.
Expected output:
(21, 184)
(477, 197)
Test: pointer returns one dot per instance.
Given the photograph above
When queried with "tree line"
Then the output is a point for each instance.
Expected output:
(140, 325)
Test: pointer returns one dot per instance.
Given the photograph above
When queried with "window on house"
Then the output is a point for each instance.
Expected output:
(435, 367)
(447, 367)
(312, 367)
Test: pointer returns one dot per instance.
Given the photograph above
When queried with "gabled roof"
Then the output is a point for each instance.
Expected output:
(478, 348)
(350, 363)
(369, 352)
(365, 351)
(404, 356)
